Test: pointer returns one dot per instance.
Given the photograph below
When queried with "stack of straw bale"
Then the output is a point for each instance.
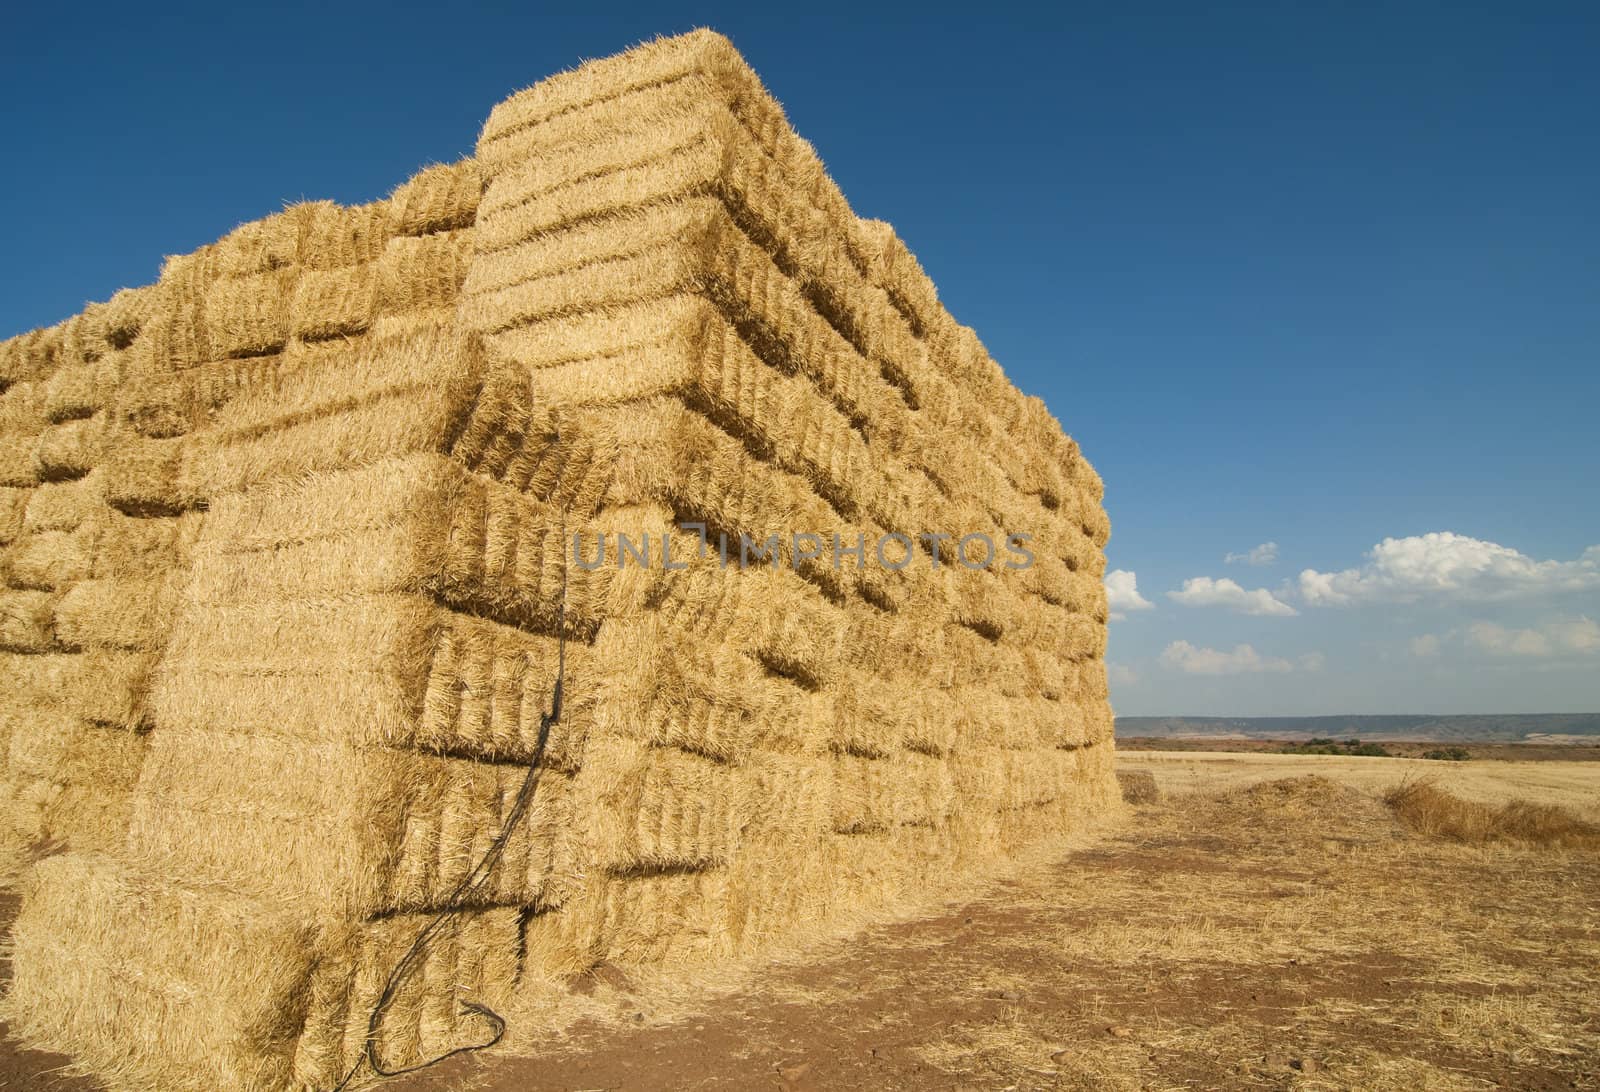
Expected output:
(285, 543)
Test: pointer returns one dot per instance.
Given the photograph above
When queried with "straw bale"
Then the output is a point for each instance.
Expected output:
(156, 985)
(261, 246)
(70, 392)
(116, 613)
(335, 235)
(387, 398)
(135, 548)
(91, 796)
(333, 303)
(21, 422)
(13, 506)
(65, 505)
(419, 524)
(882, 793)
(249, 315)
(375, 670)
(658, 809)
(475, 958)
(668, 689)
(442, 197)
(157, 402)
(351, 832)
(149, 477)
(83, 336)
(70, 449)
(421, 273)
(174, 338)
(26, 621)
(115, 688)
(50, 559)
(126, 313)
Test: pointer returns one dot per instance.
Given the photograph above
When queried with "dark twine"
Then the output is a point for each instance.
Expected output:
(461, 897)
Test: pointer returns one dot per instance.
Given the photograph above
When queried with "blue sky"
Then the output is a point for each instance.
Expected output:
(1312, 275)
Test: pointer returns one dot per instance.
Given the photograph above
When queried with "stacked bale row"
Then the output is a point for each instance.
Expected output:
(693, 305)
(84, 587)
(289, 360)
(375, 433)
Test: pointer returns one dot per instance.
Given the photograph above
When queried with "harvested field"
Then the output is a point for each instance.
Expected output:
(1285, 934)
(1571, 784)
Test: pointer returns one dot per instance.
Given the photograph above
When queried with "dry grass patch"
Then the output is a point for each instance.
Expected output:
(1431, 811)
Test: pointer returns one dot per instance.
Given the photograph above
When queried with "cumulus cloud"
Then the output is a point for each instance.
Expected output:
(1425, 645)
(1202, 591)
(1121, 674)
(1443, 565)
(1264, 554)
(1122, 594)
(1313, 661)
(1574, 637)
(1243, 660)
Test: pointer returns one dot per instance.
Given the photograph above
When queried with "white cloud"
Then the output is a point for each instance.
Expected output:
(1243, 660)
(1264, 554)
(1313, 661)
(1122, 594)
(1425, 645)
(1448, 566)
(1577, 637)
(1202, 591)
(1121, 674)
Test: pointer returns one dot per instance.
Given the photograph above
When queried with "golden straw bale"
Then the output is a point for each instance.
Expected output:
(50, 559)
(95, 780)
(70, 392)
(337, 235)
(420, 524)
(13, 507)
(333, 303)
(249, 315)
(21, 422)
(26, 621)
(421, 273)
(391, 397)
(883, 793)
(475, 957)
(112, 613)
(149, 477)
(156, 985)
(64, 505)
(654, 809)
(70, 449)
(126, 313)
(672, 690)
(261, 246)
(175, 337)
(83, 336)
(438, 198)
(375, 670)
(135, 547)
(115, 688)
(351, 832)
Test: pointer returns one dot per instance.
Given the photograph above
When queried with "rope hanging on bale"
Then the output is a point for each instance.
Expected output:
(470, 885)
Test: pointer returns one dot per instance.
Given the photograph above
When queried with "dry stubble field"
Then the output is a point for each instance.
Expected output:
(1268, 923)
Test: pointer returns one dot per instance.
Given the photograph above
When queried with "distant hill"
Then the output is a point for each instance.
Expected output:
(1507, 728)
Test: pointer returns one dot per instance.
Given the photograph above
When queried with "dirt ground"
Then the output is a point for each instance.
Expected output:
(1275, 934)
